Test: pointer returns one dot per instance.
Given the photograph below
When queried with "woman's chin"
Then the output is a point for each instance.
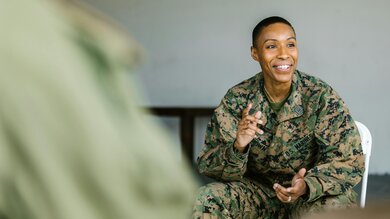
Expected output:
(283, 78)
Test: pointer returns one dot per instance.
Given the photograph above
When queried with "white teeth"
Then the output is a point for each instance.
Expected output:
(283, 67)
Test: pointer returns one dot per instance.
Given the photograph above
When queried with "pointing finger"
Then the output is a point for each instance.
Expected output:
(246, 110)
(258, 114)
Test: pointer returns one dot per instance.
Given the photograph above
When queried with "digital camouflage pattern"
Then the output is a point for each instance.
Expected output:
(313, 130)
(246, 199)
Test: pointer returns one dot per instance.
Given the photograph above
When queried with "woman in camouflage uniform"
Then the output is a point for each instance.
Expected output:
(281, 143)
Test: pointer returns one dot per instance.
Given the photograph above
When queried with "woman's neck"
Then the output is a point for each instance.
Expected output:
(277, 92)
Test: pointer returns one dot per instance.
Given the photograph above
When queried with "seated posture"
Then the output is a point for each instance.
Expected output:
(281, 143)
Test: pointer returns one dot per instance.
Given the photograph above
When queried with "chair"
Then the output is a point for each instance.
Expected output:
(366, 139)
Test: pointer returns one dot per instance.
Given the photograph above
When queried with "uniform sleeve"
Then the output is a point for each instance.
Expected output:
(340, 164)
(219, 159)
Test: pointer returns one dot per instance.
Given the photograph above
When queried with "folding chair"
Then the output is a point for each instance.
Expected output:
(366, 139)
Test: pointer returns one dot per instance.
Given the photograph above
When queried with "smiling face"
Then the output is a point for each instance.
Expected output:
(276, 51)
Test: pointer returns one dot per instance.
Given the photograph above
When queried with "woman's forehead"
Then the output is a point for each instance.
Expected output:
(277, 31)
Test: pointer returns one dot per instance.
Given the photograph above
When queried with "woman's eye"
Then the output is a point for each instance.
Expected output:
(291, 45)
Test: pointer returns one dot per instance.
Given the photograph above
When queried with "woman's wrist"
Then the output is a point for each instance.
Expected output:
(238, 148)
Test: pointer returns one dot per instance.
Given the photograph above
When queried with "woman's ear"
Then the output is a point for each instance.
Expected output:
(254, 53)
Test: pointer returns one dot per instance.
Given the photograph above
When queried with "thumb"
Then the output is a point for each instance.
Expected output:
(302, 172)
(298, 177)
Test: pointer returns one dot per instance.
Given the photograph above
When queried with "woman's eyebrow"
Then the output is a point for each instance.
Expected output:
(290, 38)
(270, 40)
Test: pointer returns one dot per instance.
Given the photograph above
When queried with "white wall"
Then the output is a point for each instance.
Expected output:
(198, 49)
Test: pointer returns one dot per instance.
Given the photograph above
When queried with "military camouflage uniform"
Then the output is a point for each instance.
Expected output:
(313, 130)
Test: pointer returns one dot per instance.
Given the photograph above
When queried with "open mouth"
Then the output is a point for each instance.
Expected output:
(282, 67)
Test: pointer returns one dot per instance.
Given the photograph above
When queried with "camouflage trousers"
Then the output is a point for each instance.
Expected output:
(246, 199)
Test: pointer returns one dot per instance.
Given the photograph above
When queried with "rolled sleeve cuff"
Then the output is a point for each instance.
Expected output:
(315, 188)
(235, 157)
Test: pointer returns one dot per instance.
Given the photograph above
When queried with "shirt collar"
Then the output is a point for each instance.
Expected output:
(292, 108)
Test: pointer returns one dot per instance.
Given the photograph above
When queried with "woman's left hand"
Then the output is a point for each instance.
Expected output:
(297, 189)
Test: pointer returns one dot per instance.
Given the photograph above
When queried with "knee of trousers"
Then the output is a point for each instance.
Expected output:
(331, 203)
(215, 192)
(213, 198)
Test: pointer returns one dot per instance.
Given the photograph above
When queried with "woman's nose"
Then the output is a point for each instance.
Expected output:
(283, 53)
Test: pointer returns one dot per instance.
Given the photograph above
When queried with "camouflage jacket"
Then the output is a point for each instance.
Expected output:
(313, 130)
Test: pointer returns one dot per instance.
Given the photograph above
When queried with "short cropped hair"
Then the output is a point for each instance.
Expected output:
(266, 22)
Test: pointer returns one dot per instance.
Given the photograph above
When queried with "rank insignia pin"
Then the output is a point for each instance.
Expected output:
(298, 109)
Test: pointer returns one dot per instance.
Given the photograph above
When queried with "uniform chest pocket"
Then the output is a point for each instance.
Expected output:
(304, 143)
(298, 152)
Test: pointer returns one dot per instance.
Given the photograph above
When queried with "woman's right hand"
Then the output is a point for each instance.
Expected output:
(247, 129)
